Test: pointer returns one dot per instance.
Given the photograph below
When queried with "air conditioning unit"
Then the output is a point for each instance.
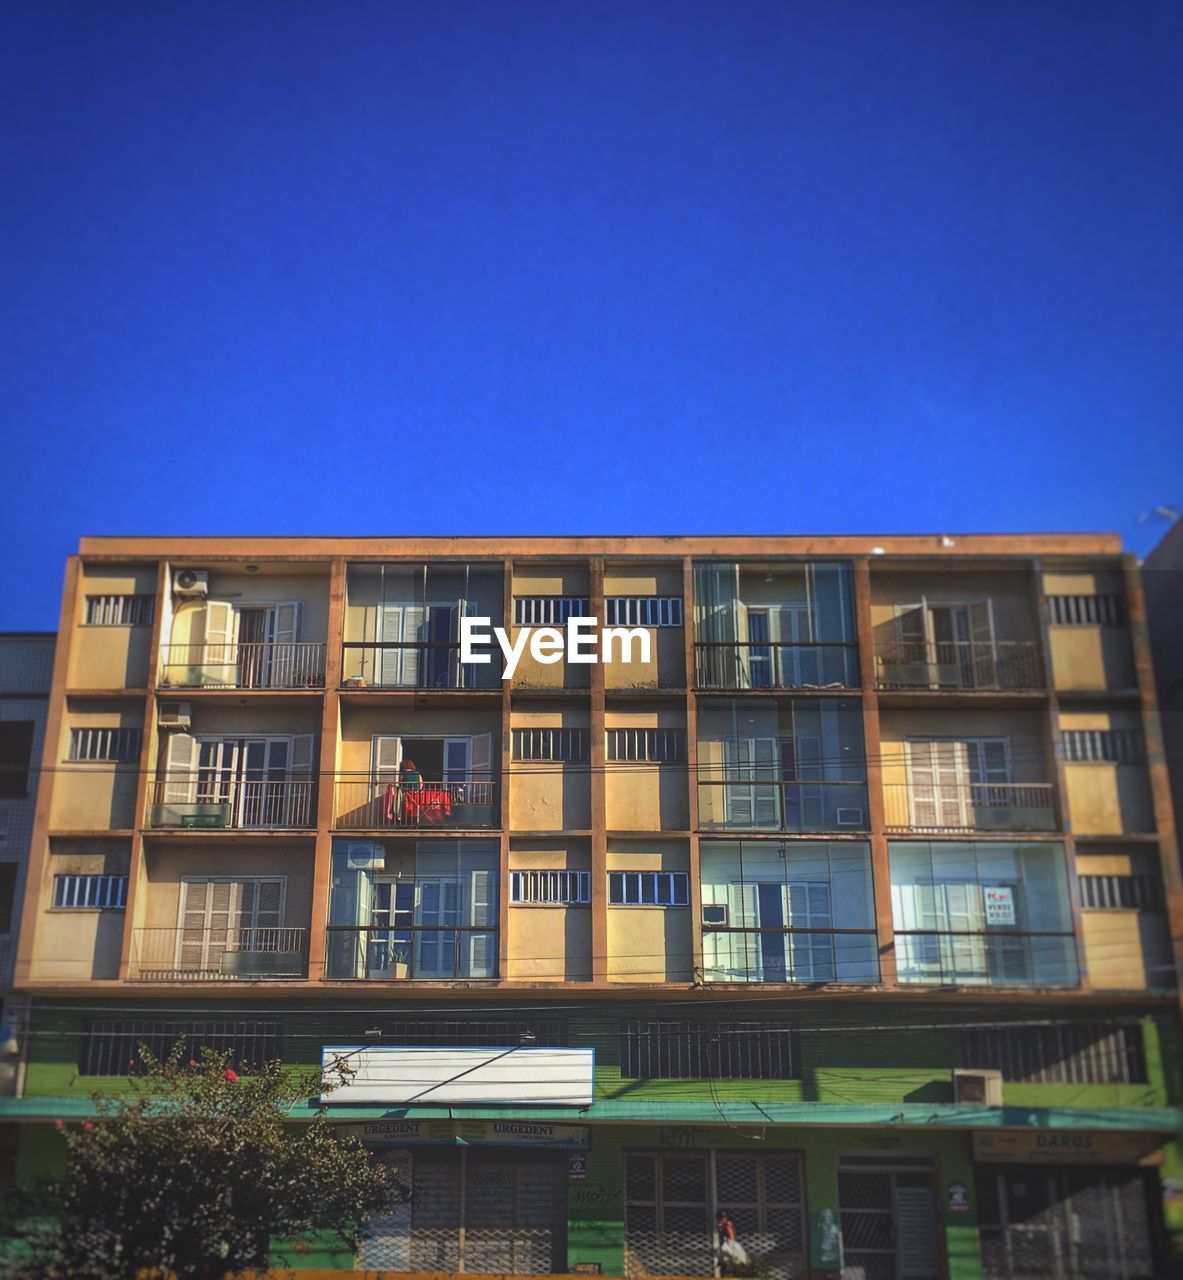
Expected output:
(848, 817)
(175, 715)
(191, 582)
(980, 1087)
(365, 855)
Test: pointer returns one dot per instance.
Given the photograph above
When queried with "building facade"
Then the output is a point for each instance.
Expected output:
(844, 899)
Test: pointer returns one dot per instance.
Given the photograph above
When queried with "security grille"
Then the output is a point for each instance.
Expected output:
(475, 1211)
(548, 1033)
(648, 889)
(111, 1046)
(1110, 746)
(1085, 611)
(89, 892)
(684, 1050)
(1064, 1224)
(1117, 892)
(548, 611)
(550, 888)
(120, 745)
(671, 1201)
(643, 611)
(549, 744)
(1087, 1053)
(889, 1220)
(653, 746)
(119, 611)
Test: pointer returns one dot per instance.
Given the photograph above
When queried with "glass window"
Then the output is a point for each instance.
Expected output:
(985, 913)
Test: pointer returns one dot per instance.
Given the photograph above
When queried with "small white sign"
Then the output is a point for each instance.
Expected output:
(1000, 904)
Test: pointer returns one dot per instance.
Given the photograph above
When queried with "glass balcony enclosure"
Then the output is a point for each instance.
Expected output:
(788, 911)
(402, 625)
(982, 913)
(401, 911)
(796, 765)
(779, 625)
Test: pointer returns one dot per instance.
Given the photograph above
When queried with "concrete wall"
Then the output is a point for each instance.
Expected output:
(1106, 798)
(549, 580)
(111, 657)
(95, 795)
(641, 796)
(649, 944)
(550, 944)
(1089, 658)
(79, 944)
(547, 795)
(666, 668)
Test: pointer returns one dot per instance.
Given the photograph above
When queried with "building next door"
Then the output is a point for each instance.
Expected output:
(890, 1228)
(482, 1210)
(671, 1200)
(1063, 1222)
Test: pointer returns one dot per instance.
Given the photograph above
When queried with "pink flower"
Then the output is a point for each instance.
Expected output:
(57, 1124)
(231, 1075)
(86, 1124)
(192, 1063)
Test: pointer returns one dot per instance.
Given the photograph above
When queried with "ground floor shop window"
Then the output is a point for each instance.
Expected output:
(672, 1203)
(889, 1218)
(485, 1211)
(1065, 1223)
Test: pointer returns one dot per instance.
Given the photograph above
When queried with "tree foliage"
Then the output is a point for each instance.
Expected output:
(198, 1172)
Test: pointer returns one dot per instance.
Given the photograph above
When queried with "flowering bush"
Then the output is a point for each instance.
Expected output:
(197, 1172)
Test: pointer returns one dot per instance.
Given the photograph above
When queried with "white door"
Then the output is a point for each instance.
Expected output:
(386, 757)
(437, 910)
(279, 661)
(219, 663)
(938, 782)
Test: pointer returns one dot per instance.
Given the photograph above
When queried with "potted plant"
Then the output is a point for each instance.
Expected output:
(399, 966)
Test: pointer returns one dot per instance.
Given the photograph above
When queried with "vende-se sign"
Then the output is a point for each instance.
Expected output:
(1000, 904)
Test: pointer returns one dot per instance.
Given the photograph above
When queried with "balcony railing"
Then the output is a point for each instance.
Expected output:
(415, 666)
(986, 958)
(365, 805)
(297, 665)
(747, 665)
(960, 664)
(199, 801)
(970, 806)
(789, 955)
(204, 954)
(772, 805)
(411, 953)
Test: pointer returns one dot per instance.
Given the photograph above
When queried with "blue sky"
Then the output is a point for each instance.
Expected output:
(541, 266)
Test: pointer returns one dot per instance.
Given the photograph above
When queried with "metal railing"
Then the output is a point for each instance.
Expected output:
(205, 801)
(366, 805)
(410, 953)
(428, 665)
(970, 806)
(960, 664)
(771, 804)
(282, 665)
(230, 954)
(750, 665)
(986, 958)
(789, 955)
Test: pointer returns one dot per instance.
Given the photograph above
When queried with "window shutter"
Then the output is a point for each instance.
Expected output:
(387, 756)
(981, 634)
(480, 767)
(287, 621)
(180, 769)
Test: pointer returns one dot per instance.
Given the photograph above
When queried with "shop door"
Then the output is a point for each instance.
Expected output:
(889, 1221)
(1064, 1224)
(475, 1210)
(671, 1201)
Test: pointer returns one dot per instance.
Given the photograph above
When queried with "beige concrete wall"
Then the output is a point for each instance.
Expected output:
(111, 657)
(544, 795)
(549, 580)
(666, 667)
(1089, 658)
(1105, 798)
(649, 944)
(93, 796)
(646, 797)
(549, 944)
(1124, 949)
(72, 944)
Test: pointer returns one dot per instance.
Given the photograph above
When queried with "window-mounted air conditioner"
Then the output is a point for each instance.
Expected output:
(191, 582)
(850, 817)
(175, 715)
(981, 1087)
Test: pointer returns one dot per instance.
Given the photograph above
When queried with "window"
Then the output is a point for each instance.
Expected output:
(1120, 892)
(1087, 1053)
(1112, 746)
(791, 912)
(16, 750)
(648, 889)
(111, 1046)
(119, 611)
(119, 745)
(1085, 611)
(7, 895)
(548, 611)
(550, 888)
(653, 746)
(90, 892)
(982, 913)
(568, 745)
(685, 1050)
(643, 611)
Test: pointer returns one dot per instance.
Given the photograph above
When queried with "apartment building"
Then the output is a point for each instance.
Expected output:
(848, 905)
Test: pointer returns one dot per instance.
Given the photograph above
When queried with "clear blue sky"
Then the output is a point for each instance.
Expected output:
(541, 266)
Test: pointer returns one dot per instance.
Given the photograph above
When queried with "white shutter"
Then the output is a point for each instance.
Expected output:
(745, 947)
(922, 794)
(220, 661)
(981, 633)
(286, 629)
(481, 960)
(386, 757)
(739, 801)
(301, 779)
(480, 768)
(180, 769)
(414, 632)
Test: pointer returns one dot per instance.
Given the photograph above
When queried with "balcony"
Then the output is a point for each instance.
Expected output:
(749, 665)
(970, 806)
(959, 665)
(774, 805)
(410, 953)
(227, 954)
(243, 666)
(425, 665)
(366, 805)
(788, 955)
(204, 802)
